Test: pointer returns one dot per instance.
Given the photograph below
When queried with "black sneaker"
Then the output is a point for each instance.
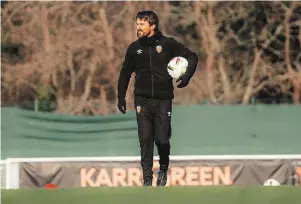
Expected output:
(162, 178)
(148, 183)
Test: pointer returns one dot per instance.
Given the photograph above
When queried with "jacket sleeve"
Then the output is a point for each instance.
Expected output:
(128, 67)
(180, 50)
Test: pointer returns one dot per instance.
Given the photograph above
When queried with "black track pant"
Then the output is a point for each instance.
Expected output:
(154, 126)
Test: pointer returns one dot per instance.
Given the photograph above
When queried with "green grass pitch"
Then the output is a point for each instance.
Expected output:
(155, 195)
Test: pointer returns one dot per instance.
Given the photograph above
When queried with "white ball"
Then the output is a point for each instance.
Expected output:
(177, 66)
(271, 182)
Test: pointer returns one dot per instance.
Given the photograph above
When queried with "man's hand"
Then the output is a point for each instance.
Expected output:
(184, 81)
(122, 105)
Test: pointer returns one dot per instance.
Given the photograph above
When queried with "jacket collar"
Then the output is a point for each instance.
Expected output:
(149, 41)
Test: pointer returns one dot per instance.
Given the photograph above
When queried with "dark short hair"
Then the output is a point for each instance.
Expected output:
(149, 16)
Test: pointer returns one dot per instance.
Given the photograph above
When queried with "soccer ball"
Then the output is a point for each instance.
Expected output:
(177, 66)
(271, 182)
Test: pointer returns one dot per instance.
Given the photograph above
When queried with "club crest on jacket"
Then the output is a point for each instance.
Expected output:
(159, 48)
(138, 109)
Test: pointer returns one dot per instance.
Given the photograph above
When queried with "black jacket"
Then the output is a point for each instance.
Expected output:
(148, 58)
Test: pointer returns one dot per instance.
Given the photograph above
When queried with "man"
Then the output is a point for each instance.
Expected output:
(148, 58)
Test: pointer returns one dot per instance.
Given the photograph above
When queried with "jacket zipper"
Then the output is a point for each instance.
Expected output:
(150, 58)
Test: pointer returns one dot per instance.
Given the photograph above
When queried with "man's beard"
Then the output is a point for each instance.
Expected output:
(141, 34)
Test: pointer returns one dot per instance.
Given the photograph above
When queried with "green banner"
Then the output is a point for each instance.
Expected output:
(196, 130)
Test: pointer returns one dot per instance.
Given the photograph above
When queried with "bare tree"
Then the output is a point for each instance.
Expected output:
(236, 65)
(72, 52)
(295, 75)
